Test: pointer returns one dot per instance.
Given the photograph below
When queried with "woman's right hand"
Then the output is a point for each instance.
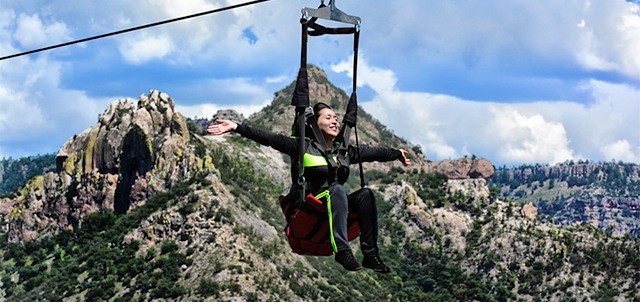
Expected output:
(221, 127)
(405, 158)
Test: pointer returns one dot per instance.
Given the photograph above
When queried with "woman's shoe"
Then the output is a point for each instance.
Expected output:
(376, 264)
(348, 261)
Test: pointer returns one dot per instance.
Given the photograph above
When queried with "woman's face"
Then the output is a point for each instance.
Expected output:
(328, 122)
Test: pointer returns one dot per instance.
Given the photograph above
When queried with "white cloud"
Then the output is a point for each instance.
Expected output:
(540, 132)
(528, 139)
(47, 115)
(173, 9)
(225, 93)
(145, 48)
(240, 87)
(208, 110)
(31, 32)
(198, 111)
(276, 80)
(622, 150)
(7, 18)
(37, 114)
(496, 34)
(610, 41)
(216, 38)
(381, 80)
(19, 118)
(41, 114)
(479, 34)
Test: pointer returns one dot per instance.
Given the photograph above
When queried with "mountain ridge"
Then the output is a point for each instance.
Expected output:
(603, 194)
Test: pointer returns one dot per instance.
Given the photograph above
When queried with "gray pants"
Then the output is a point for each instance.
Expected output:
(361, 202)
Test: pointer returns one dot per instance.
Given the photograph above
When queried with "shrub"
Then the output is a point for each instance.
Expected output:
(168, 246)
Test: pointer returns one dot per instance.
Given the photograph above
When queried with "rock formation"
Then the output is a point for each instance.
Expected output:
(463, 168)
(530, 212)
(132, 152)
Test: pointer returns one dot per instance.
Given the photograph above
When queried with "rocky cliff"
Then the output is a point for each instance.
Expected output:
(132, 152)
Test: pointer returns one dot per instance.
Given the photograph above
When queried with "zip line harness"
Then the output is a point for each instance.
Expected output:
(309, 219)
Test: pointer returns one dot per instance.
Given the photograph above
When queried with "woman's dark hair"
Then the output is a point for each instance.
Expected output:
(316, 113)
(319, 106)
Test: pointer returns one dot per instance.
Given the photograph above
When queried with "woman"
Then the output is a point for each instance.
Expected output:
(326, 168)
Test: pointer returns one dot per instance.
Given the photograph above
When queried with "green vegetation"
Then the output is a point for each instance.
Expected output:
(14, 173)
(94, 262)
(619, 179)
(255, 190)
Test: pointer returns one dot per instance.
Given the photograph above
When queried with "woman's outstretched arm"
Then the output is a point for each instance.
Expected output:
(279, 142)
(370, 154)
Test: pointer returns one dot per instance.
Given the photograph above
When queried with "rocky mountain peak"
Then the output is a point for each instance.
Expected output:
(229, 114)
(321, 90)
(133, 151)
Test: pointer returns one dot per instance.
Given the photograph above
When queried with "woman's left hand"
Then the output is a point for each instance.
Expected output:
(405, 159)
(221, 126)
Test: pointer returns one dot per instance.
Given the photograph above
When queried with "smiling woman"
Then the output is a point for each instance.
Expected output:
(327, 122)
(327, 156)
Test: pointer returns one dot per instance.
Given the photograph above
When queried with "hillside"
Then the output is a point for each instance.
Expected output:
(142, 207)
(605, 195)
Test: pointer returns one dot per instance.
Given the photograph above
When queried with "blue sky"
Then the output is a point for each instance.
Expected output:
(517, 82)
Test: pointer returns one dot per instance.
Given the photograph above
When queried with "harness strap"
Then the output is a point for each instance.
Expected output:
(301, 93)
(319, 30)
(356, 39)
(324, 149)
(301, 101)
(326, 194)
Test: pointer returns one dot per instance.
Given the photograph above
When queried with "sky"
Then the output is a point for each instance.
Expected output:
(516, 82)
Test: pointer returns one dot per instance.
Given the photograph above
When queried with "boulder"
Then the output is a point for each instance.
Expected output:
(463, 168)
(229, 114)
(530, 212)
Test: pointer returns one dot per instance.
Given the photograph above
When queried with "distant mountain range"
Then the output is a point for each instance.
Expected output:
(605, 194)
(142, 206)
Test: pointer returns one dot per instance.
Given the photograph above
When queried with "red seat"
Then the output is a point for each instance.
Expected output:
(308, 226)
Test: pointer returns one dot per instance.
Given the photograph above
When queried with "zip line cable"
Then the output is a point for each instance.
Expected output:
(135, 28)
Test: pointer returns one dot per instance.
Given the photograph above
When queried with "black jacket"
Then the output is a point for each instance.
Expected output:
(318, 172)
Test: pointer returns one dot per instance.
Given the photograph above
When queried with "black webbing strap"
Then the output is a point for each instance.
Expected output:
(301, 93)
(319, 30)
(356, 39)
(325, 149)
(301, 101)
